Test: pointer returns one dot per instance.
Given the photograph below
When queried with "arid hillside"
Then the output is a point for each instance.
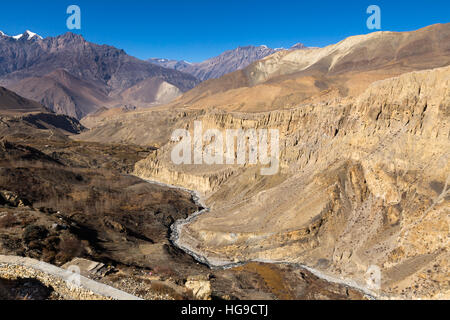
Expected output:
(363, 182)
(364, 171)
(287, 78)
(67, 202)
(11, 103)
(63, 93)
(23, 118)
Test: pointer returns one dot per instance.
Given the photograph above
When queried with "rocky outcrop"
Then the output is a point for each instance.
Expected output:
(88, 267)
(12, 199)
(200, 287)
(46, 121)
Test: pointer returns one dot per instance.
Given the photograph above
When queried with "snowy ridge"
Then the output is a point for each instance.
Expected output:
(30, 35)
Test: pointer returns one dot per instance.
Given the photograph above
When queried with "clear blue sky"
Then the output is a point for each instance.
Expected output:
(198, 29)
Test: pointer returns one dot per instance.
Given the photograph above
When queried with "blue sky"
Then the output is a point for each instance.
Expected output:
(195, 30)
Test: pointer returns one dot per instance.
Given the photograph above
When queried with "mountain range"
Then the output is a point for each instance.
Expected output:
(227, 62)
(71, 75)
(288, 78)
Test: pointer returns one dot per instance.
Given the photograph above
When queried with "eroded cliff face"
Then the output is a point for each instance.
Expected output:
(363, 182)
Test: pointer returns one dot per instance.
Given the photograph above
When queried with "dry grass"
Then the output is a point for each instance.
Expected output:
(164, 271)
(272, 278)
(8, 221)
(164, 289)
(96, 213)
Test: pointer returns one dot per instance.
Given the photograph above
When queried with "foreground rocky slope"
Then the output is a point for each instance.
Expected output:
(363, 182)
(73, 203)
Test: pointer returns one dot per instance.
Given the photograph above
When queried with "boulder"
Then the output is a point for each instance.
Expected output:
(200, 287)
(12, 199)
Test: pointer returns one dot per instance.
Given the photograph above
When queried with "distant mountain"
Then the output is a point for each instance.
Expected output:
(98, 73)
(171, 64)
(291, 77)
(298, 46)
(227, 62)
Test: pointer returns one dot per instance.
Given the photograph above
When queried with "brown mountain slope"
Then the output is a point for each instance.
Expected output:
(11, 103)
(63, 93)
(25, 66)
(287, 78)
(20, 117)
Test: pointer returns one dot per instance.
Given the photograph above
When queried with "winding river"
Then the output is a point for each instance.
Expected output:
(176, 241)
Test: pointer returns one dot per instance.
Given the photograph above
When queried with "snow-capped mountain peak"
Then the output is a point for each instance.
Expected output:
(30, 35)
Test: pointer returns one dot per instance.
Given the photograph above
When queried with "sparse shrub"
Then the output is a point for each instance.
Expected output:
(163, 289)
(164, 271)
(69, 249)
(8, 221)
(34, 233)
